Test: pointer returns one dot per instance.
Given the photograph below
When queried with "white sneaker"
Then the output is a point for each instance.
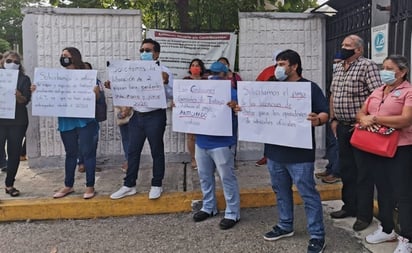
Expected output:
(403, 246)
(123, 192)
(379, 236)
(155, 192)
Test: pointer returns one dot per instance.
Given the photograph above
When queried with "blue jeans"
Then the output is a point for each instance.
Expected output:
(221, 160)
(152, 126)
(80, 141)
(96, 142)
(282, 175)
(332, 152)
(124, 133)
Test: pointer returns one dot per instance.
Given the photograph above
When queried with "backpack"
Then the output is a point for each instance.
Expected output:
(101, 106)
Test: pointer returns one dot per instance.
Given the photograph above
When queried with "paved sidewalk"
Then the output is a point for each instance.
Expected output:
(181, 190)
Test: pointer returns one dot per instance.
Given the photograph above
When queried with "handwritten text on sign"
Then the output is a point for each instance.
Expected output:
(137, 84)
(8, 85)
(64, 93)
(201, 107)
(275, 113)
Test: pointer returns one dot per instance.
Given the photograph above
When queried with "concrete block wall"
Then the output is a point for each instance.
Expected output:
(100, 35)
(260, 34)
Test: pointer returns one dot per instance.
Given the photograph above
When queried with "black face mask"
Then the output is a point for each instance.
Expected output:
(346, 53)
(65, 61)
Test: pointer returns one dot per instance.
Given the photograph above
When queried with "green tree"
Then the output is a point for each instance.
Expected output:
(11, 19)
(296, 5)
(4, 45)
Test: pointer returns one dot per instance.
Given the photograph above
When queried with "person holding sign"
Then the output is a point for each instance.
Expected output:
(77, 134)
(294, 165)
(217, 153)
(196, 71)
(12, 130)
(150, 123)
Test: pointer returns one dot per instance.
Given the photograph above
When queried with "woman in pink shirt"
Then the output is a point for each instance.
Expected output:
(391, 106)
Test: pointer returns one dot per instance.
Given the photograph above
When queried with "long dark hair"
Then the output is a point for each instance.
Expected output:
(76, 57)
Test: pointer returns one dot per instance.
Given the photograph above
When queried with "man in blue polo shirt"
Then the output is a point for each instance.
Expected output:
(290, 165)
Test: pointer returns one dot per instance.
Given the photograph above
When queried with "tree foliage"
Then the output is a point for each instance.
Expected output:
(179, 15)
(4, 45)
(296, 5)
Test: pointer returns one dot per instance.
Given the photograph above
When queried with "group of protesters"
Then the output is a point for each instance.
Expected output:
(360, 94)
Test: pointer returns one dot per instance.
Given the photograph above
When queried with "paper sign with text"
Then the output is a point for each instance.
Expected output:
(64, 93)
(137, 84)
(275, 113)
(8, 85)
(201, 107)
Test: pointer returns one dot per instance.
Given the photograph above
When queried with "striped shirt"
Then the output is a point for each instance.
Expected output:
(350, 88)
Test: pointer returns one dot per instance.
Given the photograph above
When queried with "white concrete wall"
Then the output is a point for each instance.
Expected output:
(261, 33)
(100, 35)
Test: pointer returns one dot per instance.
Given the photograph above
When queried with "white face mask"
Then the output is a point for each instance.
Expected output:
(11, 65)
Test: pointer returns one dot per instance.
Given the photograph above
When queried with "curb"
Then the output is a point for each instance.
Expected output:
(103, 206)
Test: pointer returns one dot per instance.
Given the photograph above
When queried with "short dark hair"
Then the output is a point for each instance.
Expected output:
(201, 64)
(400, 61)
(293, 58)
(76, 57)
(156, 45)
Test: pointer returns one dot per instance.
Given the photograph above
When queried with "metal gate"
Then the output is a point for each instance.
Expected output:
(400, 27)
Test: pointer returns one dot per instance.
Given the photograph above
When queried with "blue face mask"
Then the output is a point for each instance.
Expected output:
(146, 56)
(280, 73)
(387, 76)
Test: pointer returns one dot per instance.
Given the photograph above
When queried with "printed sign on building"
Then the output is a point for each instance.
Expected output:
(179, 49)
(379, 43)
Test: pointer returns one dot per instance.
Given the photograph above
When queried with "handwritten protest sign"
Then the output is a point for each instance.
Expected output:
(275, 113)
(64, 93)
(137, 84)
(201, 107)
(8, 85)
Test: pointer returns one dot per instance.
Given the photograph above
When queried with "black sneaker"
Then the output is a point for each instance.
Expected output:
(316, 245)
(201, 216)
(277, 233)
(227, 223)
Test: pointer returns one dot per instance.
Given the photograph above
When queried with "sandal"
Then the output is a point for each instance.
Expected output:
(13, 192)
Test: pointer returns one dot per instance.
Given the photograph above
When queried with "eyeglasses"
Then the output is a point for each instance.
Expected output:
(15, 61)
(147, 50)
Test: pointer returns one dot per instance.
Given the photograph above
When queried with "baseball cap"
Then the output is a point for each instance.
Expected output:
(218, 67)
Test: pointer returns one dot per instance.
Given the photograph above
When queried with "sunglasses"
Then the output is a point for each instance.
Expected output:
(147, 50)
(15, 61)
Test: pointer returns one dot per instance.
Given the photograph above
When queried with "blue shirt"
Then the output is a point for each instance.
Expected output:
(211, 141)
(67, 124)
(284, 154)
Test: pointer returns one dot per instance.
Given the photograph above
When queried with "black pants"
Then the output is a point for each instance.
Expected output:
(358, 187)
(14, 136)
